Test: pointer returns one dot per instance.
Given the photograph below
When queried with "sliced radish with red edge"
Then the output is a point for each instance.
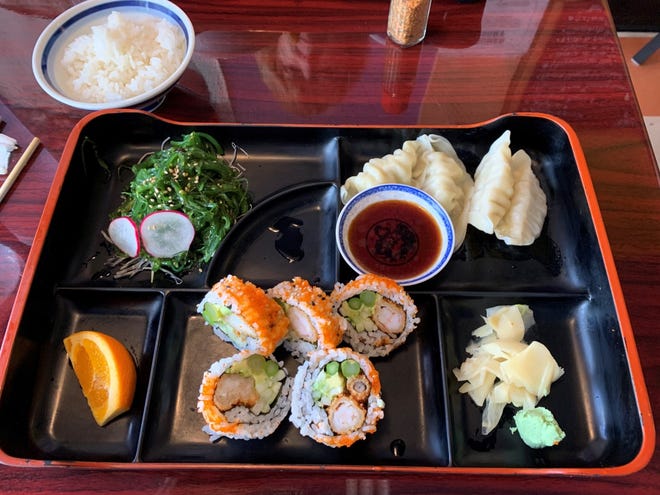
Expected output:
(124, 234)
(166, 233)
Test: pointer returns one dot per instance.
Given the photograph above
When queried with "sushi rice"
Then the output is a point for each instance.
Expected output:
(236, 419)
(313, 323)
(313, 417)
(242, 314)
(377, 314)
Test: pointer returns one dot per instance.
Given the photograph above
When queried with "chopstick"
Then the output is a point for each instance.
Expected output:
(18, 168)
(647, 50)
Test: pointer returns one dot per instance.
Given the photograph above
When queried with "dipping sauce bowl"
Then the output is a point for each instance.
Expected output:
(397, 231)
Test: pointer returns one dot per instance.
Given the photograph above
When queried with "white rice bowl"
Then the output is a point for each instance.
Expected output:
(114, 54)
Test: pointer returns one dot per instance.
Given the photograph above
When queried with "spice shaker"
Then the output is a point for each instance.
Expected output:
(407, 20)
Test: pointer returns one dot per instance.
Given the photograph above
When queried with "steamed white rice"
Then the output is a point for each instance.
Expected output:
(122, 57)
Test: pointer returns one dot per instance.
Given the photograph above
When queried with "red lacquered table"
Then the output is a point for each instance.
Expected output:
(329, 63)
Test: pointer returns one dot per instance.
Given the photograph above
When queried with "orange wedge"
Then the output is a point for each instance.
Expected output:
(106, 372)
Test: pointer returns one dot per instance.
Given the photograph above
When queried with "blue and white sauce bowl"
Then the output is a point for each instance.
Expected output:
(397, 231)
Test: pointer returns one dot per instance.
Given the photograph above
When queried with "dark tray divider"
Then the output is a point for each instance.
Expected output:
(46, 429)
(286, 235)
(172, 426)
(580, 332)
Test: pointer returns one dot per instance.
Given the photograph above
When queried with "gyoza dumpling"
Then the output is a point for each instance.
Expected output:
(433, 142)
(448, 182)
(524, 220)
(460, 222)
(441, 173)
(493, 186)
(442, 178)
(440, 143)
(429, 163)
(396, 167)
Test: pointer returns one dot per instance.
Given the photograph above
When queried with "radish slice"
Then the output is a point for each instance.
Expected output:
(124, 234)
(166, 233)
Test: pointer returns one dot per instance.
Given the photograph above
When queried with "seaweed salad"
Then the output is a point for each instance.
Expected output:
(192, 178)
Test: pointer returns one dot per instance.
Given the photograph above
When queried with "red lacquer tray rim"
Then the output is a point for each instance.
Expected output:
(638, 463)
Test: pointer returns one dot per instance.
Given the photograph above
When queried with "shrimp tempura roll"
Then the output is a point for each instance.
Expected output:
(313, 324)
(244, 396)
(336, 397)
(378, 314)
(241, 313)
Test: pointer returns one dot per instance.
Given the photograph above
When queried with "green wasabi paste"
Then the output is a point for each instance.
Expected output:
(538, 428)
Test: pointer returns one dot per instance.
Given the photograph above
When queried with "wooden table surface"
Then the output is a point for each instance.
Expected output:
(328, 62)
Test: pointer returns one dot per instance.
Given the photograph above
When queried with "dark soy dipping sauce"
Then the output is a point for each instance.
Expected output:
(394, 238)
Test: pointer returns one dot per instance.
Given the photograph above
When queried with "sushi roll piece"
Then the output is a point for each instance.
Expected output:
(241, 313)
(244, 396)
(377, 314)
(313, 324)
(336, 397)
